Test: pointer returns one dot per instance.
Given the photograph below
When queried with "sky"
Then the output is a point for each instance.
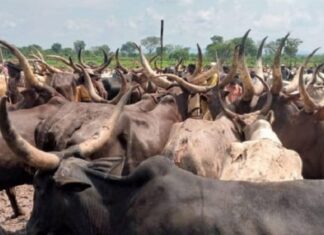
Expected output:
(186, 22)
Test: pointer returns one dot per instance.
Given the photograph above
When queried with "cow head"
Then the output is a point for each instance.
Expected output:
(251, 123)
(81, 197)
(65, 203)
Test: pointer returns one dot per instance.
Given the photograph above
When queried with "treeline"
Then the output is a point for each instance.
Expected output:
(218, 48)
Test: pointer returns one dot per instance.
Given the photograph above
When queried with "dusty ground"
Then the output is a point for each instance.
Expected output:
(25, 198)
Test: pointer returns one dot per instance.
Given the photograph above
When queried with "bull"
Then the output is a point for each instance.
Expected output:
(160, 198)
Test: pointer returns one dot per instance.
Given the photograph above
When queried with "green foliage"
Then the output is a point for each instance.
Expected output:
(290, 50)
(216, 39)
(172, 53)
(250, 46)
(218, 48)
(56, 47)
(179, 52)
(224, 49)
(79, 45)
(150, 43)
(291, 47)
(128, 49)
(98, 49)
(67, 51)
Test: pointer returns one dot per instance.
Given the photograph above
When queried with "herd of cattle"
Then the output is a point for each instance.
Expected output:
(164, 151)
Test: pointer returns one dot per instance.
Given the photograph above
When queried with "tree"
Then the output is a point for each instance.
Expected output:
(216, 39)
(250, 46)
(167, 49)
(218, 46)
(104, 47)
(128, 49)
(56, 47)
(98, 49)
(271, 47)
(291, 47)
(289, 51)
(179, 52)
(67, 51)
(28, 50)
(150, 43)
(79, 45)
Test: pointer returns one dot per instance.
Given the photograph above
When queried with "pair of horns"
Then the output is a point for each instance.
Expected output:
(49, 161)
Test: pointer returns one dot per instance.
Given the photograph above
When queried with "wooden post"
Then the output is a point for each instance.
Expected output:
(1, 55)
(161, 41)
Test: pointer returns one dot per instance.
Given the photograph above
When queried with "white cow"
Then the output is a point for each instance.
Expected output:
(261, 157)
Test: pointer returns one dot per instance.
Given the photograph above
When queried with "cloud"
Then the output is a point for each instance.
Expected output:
(186, 21)
(153, 14)
(8, 24)
(271, 22)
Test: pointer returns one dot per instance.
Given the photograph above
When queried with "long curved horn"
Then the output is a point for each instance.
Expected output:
(202, 77)
(150, 74)
(178, 65)
(157, 69)
(153, 59)
(29, 75)
(106, 63)
(293, 85)
(40, 55)
(92, 91)
(245, 75)
(24, 150)
(49, 67)
(315, 74)
(276, 70)
(107, 131)
(60, 58)
(75, 67)
(231, 75)
(48, 161)
(258, 87)
(309, 103)
(199, 63)
(186, 85)
(81, 60)
(122, 90)
(320, 76)
(264, 110)
(118, 64)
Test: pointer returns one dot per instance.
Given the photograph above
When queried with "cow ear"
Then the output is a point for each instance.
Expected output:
(71, 185)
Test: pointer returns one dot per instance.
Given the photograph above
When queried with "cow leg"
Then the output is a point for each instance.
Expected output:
(11, 193)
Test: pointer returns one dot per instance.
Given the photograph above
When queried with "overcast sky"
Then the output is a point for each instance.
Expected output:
(113, 22)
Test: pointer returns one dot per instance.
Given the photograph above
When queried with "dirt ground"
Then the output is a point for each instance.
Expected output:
(25, 199)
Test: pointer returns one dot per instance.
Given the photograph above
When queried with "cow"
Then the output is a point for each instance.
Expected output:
(261, 157)
(56, 82)
(133, 136)
(298, 129)
(200, 146)
(160, 198)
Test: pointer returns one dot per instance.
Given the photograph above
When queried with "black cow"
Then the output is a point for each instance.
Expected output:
(80, 197)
